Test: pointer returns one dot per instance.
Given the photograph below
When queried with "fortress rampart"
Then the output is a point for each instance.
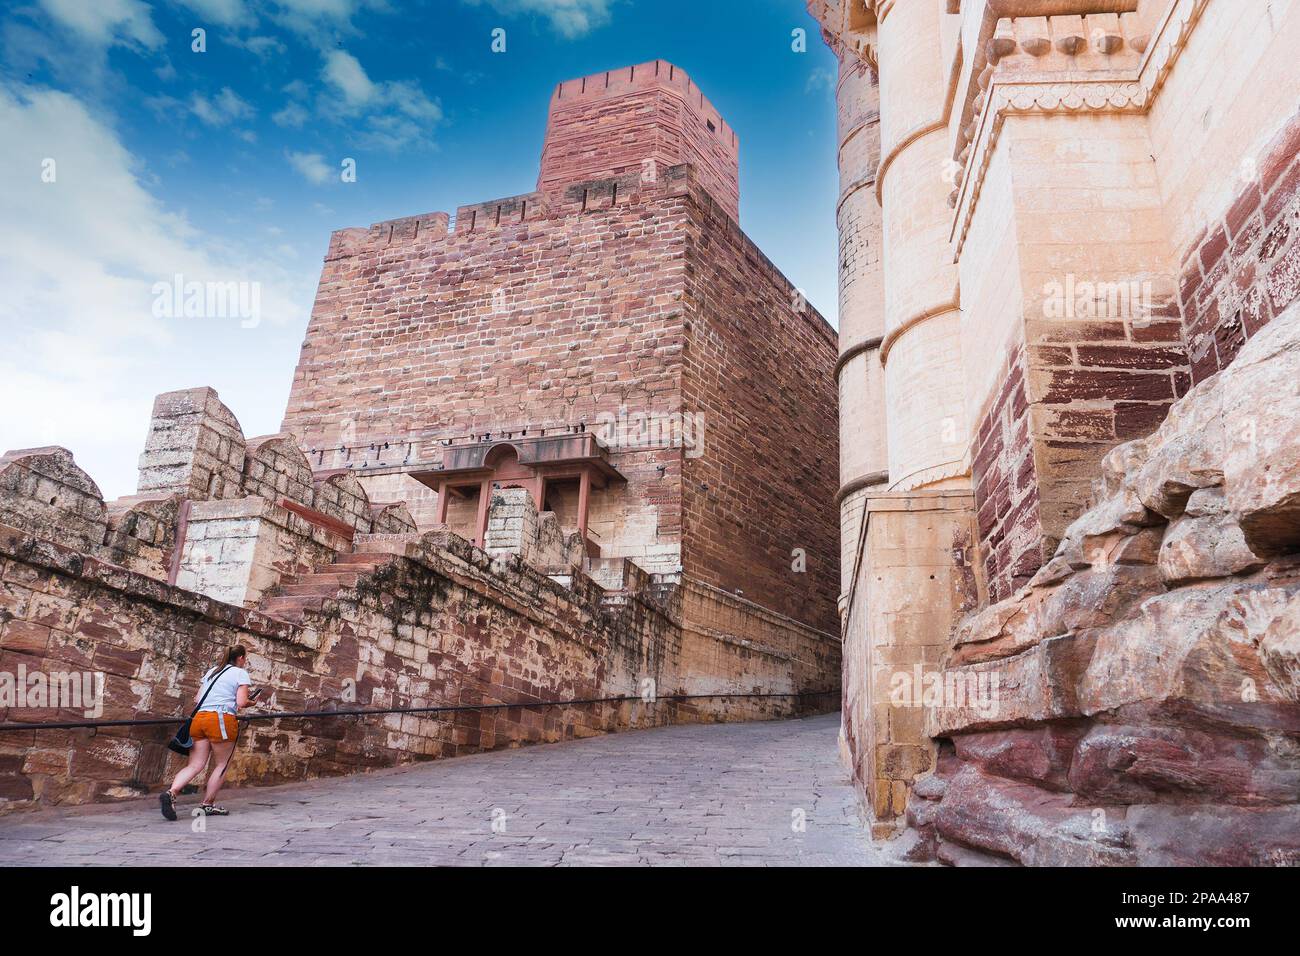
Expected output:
(344, 604)
(548, 449)
(634, 295)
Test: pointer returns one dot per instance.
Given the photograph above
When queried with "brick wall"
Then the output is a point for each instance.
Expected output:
(1244, 268)
(440, 623)
(642, 299)
(759, 365)
(638, 119)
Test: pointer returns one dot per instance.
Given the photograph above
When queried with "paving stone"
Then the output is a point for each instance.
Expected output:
(689, 795)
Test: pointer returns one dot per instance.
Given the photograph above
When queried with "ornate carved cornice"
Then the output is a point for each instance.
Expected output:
(1111, 91)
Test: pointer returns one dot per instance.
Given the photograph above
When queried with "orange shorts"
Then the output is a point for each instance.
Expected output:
(205, 726)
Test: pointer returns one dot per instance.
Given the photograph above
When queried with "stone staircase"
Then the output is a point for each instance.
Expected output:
(621, 578)
(299, 593)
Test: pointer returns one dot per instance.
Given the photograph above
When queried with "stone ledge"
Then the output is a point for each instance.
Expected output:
(19, 546)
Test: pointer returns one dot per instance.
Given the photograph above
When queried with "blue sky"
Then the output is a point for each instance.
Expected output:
(131, 158)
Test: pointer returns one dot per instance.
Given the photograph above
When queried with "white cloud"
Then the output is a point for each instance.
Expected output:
(315, 20)
(310, 18)
(104, 23)
(226, 13)
(394, 113)
(293, 116)
(343, 72)
(260, 46)
(312, 166)
(226, 107)
(569, 18)
(84, 350)
(820, 78)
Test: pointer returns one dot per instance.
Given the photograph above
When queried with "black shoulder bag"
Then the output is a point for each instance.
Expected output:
(182, 742)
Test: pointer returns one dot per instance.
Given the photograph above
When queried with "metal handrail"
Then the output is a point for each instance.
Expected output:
(372, 711)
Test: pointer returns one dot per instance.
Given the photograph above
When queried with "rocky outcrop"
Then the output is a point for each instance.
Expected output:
(1146, 682)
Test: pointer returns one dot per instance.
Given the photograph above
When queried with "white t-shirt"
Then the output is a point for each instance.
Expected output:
(221, 699)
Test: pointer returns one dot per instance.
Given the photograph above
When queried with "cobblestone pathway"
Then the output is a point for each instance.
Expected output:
(729, 794)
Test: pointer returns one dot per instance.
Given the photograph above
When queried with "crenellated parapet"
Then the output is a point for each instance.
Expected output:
(215, 513)
(195, 447)
(636, 120)
(507, 219)
(228, 517)
(43, 490)
(275, 467)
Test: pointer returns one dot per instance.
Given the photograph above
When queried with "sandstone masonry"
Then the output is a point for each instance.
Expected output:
(1063, 223)
(553, 450)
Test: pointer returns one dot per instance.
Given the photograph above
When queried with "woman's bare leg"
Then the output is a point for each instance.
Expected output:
(198, 757)
(221, 751)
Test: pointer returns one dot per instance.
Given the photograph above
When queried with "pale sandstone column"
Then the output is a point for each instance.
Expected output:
(907, 538)
(864, 462)
(863, 456)
(921, 351)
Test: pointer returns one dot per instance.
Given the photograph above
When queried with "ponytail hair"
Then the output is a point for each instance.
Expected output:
(230, 655)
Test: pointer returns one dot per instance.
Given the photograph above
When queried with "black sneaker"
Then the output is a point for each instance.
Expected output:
(168, 804)
(214, 811)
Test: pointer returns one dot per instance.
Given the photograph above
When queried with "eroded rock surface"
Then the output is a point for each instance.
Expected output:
(1147, 680)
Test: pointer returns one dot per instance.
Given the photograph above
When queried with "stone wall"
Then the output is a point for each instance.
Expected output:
(549, 322)
(759, 509)
(1117, 194)
(238, 550)
(1139, 700)
(441, 623)
(917, 573)
(597, 301)
(344, 605)
(515, 527)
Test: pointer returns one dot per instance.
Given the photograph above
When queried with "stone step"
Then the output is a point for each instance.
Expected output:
(345, 576)
(298, 592)
(390, 544)
(291, 608)
(310, 587)
(372, 558)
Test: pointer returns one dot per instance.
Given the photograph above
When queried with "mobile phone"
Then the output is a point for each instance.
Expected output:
(254, 693)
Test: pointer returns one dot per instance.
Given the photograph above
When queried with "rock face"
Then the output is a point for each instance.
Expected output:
(1147, 679)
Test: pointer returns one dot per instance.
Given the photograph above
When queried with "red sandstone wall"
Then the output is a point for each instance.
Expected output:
(405, 337)
(610, 298)
(441, 625)
(1244, 269)
(1081, 389)
(1006, 487)
(760, 367)
(612, 123)
(1078, 389)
